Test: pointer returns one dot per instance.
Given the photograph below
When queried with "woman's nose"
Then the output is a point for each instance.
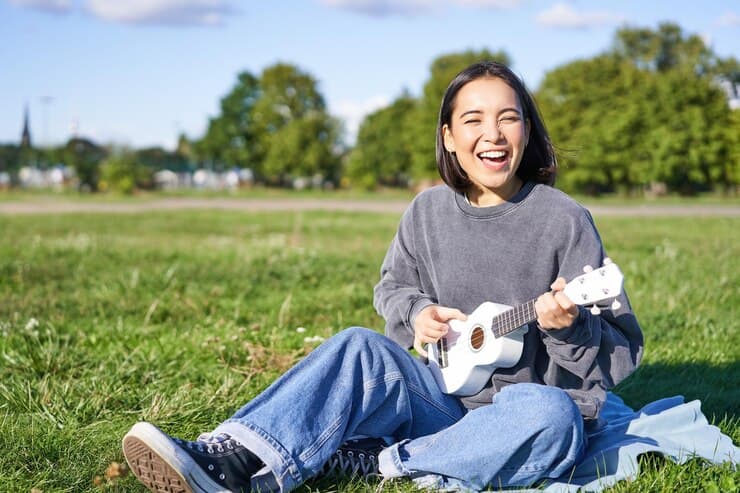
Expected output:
(492, 132)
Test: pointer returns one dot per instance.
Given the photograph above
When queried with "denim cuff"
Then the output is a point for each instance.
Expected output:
(389, 462)
(280, 473)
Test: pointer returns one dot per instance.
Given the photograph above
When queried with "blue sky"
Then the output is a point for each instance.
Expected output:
(139, 72)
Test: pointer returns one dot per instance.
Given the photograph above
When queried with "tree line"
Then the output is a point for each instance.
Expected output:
(647, 115)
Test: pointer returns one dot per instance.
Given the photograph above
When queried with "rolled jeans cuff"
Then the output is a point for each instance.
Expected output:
(280, 473)
(389, 462)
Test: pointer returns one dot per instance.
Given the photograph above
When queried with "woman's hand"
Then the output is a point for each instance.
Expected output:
(431, 324)
(554, 309)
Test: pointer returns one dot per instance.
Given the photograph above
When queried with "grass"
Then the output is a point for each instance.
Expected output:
(180, 317)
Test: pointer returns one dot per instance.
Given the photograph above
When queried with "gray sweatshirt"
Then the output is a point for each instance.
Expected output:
(449, 253)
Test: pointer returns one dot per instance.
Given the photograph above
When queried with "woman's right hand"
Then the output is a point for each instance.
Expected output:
(431, 324)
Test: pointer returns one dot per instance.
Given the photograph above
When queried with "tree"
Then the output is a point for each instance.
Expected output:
(422, 128)
(9, 157)
(668, 48)
(595, 114)
(648, 111)
(687, 143)
(157, 158)
(231, 138)
(85, 157)
(304, 147)
(261, 116)
(122, 171)
(290, 103)
(382, 154)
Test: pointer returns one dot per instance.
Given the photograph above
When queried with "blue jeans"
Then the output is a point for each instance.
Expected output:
(360, 383)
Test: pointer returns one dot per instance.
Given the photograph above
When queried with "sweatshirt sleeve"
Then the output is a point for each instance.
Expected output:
(398, 296)
(597, 351)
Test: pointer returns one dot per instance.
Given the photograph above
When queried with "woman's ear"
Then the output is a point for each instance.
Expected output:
(449, 142)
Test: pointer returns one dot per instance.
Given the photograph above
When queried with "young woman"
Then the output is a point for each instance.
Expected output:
(497, 231)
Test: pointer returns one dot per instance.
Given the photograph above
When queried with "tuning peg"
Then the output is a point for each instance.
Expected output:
(587, 269)
(607, 261)
(616, 305)
(595, 310)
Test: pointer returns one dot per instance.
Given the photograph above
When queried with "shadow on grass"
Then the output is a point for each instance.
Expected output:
(715, 385)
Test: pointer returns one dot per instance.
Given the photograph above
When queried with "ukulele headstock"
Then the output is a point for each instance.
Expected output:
(597, 287)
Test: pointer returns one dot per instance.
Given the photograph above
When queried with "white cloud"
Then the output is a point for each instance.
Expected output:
(352, 113)
(729, 19)
(52, 6)
(565, 16)
(382, 8)
(493, 4)
(167, 12)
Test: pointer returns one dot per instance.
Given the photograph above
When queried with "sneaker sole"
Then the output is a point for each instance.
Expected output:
(161, 465)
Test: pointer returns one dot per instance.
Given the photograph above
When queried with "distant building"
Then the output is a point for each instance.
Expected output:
(26, 134)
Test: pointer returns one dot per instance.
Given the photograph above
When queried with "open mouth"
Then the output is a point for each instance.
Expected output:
(493, 157)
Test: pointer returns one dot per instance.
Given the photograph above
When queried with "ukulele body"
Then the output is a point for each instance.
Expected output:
(463, 361)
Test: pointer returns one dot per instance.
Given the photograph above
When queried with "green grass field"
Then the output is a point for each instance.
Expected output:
(180, 317)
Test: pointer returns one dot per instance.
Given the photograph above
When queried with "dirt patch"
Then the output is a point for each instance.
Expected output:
(396, 206)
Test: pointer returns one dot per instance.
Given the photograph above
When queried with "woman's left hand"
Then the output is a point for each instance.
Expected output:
(554, 309)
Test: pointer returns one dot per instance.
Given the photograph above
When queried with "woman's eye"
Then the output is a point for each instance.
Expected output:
(509, 119)
(472, 121)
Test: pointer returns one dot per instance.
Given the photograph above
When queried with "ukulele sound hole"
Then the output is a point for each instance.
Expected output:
(477, 336)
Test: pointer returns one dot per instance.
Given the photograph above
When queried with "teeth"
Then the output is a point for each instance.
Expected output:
(492, 154)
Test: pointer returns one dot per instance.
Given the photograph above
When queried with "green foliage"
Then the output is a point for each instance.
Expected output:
(648, 112)
(9, 157)
(157, 158)
(123, 172)
(664, 49)
(85, 157)
(276, 125)
(303, 147)
(231, 138)
(423, 127)
(382, 155)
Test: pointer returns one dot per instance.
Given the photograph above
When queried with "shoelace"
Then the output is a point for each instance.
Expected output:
(351, 464)
(211, 443)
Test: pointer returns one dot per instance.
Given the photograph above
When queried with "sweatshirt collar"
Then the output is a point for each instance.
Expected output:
(495, 210)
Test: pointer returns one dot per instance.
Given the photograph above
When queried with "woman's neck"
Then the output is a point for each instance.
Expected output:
(488, 197)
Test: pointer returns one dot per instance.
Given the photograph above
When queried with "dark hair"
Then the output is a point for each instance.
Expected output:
(538, 162)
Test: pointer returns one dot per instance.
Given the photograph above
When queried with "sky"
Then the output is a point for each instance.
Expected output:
(141, 72)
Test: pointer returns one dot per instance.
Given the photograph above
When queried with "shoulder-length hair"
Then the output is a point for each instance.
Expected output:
(538, 162)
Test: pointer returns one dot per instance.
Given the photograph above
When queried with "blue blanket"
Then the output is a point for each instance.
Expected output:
(677, 430)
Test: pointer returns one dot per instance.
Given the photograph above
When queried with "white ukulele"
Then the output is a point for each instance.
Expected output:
(493, 335)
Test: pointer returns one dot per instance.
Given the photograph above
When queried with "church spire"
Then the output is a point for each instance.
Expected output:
(26, 135)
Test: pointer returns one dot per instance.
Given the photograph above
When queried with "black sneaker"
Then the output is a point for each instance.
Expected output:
(355, 459)
(164, 464)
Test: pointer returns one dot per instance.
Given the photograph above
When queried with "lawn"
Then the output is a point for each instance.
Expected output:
(180, 317)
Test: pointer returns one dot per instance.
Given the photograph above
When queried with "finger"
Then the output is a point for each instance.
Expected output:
(565, 303)
(558, 284)
(446, 314)
(434, 329)
(547, 310)
(420, 348)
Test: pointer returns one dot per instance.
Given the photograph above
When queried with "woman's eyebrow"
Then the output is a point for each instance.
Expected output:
(504, 110)
(469, 112)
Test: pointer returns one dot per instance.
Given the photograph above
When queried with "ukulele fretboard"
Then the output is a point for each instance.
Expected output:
(510, 320)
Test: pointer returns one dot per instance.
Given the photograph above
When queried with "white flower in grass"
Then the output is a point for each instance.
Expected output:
(312, 339)
(32, 324)
(300, 330)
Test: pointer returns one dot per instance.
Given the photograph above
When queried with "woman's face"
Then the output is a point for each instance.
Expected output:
(488, 134)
